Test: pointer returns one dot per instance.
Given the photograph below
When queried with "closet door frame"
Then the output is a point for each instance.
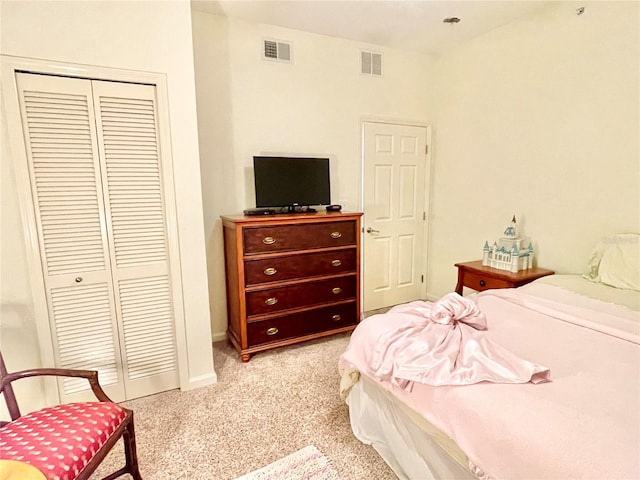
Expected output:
(9, 67)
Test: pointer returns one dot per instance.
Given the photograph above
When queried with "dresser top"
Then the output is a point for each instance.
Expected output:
(281, 218)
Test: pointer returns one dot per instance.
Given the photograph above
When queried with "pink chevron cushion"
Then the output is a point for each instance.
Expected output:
(60, 441)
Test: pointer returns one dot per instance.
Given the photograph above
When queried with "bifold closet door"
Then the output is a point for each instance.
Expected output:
(130, 160)
(97, 197)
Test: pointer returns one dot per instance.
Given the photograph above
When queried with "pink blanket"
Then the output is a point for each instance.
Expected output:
(584, 424)
(443, 343)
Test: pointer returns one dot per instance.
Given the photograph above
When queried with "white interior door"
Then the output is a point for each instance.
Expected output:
(394, 213)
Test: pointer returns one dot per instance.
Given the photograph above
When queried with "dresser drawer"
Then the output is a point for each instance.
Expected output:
(312, 293)
(299, 266)
(280, 238)
(300, 324)
(480, 282)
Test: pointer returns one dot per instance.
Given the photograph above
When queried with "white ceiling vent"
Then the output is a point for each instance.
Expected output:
(371, 63)
(277, 50)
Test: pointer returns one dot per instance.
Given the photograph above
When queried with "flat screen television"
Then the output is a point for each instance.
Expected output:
(291, 182)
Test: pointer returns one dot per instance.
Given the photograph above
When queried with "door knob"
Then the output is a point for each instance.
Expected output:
(372, 230)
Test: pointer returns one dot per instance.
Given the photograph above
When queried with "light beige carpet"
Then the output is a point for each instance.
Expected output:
(259, 412)
(306, 464)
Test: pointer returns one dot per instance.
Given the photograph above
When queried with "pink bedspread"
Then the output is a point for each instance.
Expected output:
(583, 424)
(444, 343)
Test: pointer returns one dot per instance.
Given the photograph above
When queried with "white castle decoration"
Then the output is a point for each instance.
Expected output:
(507, 253)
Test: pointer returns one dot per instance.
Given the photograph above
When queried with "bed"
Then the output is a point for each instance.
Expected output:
(582, 330)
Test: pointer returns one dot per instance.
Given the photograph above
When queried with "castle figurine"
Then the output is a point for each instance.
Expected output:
(508, 253)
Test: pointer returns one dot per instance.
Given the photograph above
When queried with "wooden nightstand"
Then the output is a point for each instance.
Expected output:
(478, 277)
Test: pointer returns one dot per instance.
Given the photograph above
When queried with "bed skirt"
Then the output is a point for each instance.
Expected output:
(408, 443)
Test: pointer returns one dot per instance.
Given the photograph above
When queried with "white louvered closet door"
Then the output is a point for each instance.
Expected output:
(96, 195)
(128, 142)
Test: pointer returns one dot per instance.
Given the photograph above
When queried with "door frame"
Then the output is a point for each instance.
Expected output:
(427, 192)
(9, 66)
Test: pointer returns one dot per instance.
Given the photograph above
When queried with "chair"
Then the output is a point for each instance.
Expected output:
(69, 441)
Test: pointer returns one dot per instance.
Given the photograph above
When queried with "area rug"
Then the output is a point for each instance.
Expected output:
(306, 464)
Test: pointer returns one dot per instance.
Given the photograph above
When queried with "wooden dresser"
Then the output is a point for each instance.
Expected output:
(290, 278)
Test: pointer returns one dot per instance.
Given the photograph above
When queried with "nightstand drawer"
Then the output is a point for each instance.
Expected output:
(305, 294)
(305, 265)
(481, 282)
(481, 277)
(300, 324)
(280, 238)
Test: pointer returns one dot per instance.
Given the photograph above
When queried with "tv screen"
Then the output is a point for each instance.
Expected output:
(291, 181)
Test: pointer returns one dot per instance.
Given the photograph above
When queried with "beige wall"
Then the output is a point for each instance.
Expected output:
(141, 36)
(248, 106)
(538, 119)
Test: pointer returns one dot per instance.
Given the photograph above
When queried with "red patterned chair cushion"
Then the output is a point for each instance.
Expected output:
(60, 441)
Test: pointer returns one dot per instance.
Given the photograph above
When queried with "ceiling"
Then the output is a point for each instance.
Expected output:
(404, 24)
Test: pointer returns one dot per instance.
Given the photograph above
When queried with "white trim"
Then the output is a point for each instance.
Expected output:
(199, 381)
(173, 241)
(428, 171)
(393, 120)
(49, 67)
(9, 65)
(219, 337)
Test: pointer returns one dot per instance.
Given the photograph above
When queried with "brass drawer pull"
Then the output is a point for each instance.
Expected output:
(272, 331)
(268, 240)
(336, 318)
(270, 271)
(336, 290)
(336, 263)
(271, 301)
(336, 234)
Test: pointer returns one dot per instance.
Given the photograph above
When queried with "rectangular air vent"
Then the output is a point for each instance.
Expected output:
(371, 63)
(277, 50)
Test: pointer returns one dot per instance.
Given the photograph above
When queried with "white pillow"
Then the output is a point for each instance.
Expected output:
(616, 261)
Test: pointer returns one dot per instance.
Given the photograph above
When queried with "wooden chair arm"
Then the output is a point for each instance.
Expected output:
(90, 375)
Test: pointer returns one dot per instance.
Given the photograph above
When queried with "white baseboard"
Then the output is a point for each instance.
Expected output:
(218, 337)
(200, 381)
